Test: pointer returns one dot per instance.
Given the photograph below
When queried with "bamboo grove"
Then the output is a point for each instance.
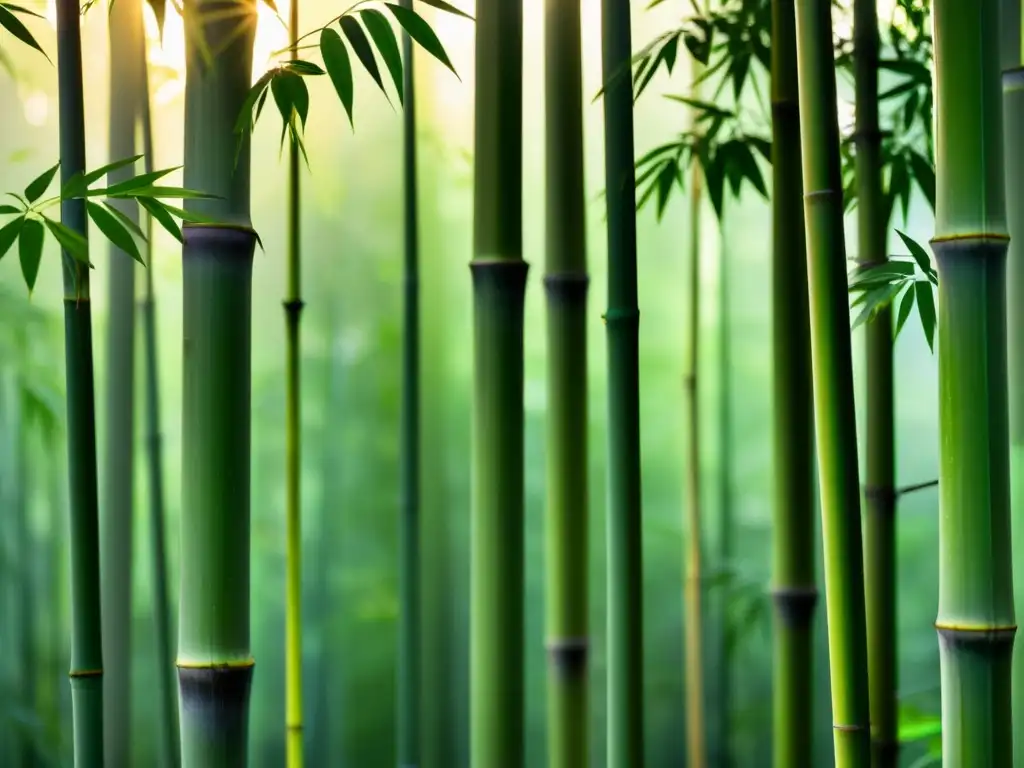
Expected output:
(517, 614)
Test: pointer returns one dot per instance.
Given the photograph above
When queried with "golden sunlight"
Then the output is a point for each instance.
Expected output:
(167, 57)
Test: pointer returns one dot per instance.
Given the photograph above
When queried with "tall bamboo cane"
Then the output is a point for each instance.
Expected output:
(499, 283)
(879, 490)
(833, 383)
(622, 319)
(215, 664)
(566, 285)
(976, 617)
(794, 591)
(86, 644)
(116, 550)
(409, 751)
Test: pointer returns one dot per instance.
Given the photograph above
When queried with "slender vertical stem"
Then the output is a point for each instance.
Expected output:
(565, 284)
(27, 584)
(622, 319)
(694, 576)
(725, 534)
(975, 623)
(1013, 129)
(116, 524)
(833, 384)
(499, 284)
(215, 664)
(86, 644)
(794, 592)
(167, 708)
(879, 490)
(293, 446)
(409, 558)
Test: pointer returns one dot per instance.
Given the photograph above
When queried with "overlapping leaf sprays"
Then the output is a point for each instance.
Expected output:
(833, 383)
(565, 283)
(975, 621)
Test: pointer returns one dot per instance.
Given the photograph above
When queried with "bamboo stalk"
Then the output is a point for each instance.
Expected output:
(565, 283)
(499, 282)
(880, 480)
(1013, 125)
(293, 305)
(116, 524)
(975, 621)
(694, 577)
(725, 532)
(215, 664)
(833, 384)
(86, 645)
(409, 578)
(794, 591)
(622, 319)
(167, 707)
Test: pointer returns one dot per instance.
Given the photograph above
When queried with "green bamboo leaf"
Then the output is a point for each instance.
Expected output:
(383, 35)
(441, 5)
(13, 24)
(30, 250)
(339, 68)
(76, 186)
(875, 301)
(177, 193)
(125, 221)
(114, 231)
(926, 308)
(906, 304)
(246, 122)
(917, 251)
(163, 217)
(73, 243)
(421, 32)
(305, 68)
(136, 182)
(924, 175)
(40, 184)
(9, 233)
(361, 46)
(10, 209)
(291, 97)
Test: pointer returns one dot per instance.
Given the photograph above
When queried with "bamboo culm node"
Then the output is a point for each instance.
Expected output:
(795, 605)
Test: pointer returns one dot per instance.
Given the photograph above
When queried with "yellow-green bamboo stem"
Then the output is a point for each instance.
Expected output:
(293, 459)
(833, 384)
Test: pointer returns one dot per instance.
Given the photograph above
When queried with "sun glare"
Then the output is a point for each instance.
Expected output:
(167, 56)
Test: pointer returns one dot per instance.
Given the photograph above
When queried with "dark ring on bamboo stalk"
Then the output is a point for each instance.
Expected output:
(873, 135)
(1013, 79)
(795, 605)
(293, 306)
(622, 316)
(847, 728)
(886, 750)
(821, 195)
(961, 636)
(235, 239)
(80, 673)
(882, 494)
(217, 691)
(568, 656)
(567, 285)
(499, 274)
